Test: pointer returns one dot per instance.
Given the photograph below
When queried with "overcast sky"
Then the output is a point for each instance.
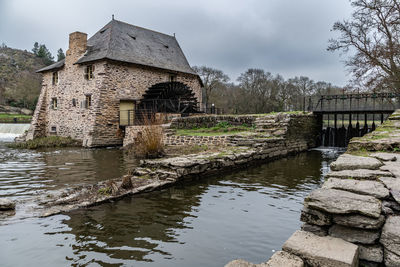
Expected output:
(288, 37)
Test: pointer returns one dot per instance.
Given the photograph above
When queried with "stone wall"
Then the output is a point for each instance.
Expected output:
(208, 121)
(293, 128)
(176, 140)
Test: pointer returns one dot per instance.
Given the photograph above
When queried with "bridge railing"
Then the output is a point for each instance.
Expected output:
(350, 103)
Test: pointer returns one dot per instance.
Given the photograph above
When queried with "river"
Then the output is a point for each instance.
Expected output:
(247, 214)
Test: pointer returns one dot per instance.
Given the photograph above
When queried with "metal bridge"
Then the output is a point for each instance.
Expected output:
(351, 115)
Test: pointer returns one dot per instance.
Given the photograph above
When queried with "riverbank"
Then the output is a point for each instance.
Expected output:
(354, 218)
(15, 118)
(297, 133)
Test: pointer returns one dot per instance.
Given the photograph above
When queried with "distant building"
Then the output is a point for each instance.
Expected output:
(104, 82)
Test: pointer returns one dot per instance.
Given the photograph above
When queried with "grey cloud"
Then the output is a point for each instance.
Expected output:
(281, 36)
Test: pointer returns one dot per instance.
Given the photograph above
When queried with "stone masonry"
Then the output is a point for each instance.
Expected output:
(113, 81)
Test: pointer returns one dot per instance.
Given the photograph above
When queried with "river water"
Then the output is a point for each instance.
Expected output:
(247, 214)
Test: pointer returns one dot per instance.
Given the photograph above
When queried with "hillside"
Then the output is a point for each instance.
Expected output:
(19, 83)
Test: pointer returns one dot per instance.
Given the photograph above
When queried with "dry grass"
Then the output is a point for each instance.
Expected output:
(149, 143)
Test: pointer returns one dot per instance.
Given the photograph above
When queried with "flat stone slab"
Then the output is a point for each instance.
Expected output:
(361, 174)
(354, 235)
(364, 187)
(240, 263)
(371, 253)
(359, 221)
(343, 202)
(385, 156)
(322, 251)
(393, 167)
(6, 204)
(393, 184)
(283, 258)
(350, 162)
(390, 237)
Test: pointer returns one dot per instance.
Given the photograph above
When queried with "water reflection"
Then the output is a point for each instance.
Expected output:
(25, 174)
(207, 222)
(202, 223)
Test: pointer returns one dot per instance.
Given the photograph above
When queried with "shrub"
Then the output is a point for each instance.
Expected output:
(149, 143)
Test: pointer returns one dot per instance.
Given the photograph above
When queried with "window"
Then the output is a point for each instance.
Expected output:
(88, 101)
(172, 78)
(55, 77)
(89, 72)
(53, 129)
(54, 103)
(73, 102)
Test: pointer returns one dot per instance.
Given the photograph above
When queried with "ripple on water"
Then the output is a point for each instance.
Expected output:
(247, 214)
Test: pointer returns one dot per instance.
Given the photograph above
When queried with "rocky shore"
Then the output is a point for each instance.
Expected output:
(297, 132)
(354, 218)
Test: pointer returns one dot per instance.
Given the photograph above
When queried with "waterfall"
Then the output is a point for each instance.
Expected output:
(8, 131)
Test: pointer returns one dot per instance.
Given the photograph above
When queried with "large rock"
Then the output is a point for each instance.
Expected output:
(350, 162)
(315, 217)
(385, 156)
(393, 184)
(359, 221)
(390, 237)
(393, 167)
(315, 229)
(6, 204)
(372, 188)
(354, 235)
(322, 251)
(343, 202)
(371, 253)
(361, 174)
(391, 259)
(282, 258)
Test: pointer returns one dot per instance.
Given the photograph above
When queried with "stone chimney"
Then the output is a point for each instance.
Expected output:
(77, 46)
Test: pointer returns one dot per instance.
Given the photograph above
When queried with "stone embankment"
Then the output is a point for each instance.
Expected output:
(298, 132)
(354, 218)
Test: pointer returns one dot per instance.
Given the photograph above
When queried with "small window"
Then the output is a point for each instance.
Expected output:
(89, 72)
(53, 129)
(172, 78)
(55, 77)
(54, 103)
(88, 101)
(73, 102)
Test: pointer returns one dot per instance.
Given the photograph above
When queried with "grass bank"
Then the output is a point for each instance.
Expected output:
(15, 118)
(47, 142)
(222, 128)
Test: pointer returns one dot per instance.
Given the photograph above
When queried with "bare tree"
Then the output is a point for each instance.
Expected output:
(212, 78)
(372, 34)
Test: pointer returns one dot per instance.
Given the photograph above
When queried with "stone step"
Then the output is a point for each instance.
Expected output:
(322, 251)
(350, 162)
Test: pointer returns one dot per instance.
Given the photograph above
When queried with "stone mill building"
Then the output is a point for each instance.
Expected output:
(107, 79)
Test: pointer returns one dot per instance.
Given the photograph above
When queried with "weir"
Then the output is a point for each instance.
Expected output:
(8, 131)
(342, 117)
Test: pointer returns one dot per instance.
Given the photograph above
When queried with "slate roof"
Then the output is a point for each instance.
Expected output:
(53, 66)
(124, 42)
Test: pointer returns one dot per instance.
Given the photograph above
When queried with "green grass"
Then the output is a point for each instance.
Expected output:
(222, 128)
(46, 142)
(9, 118)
